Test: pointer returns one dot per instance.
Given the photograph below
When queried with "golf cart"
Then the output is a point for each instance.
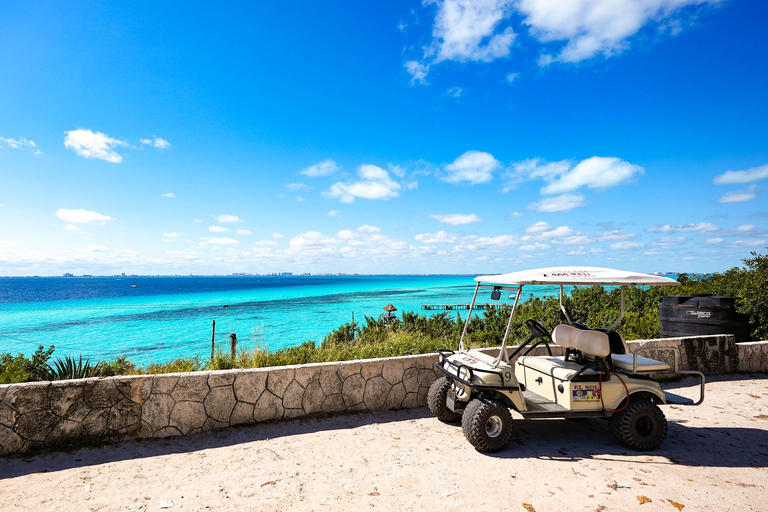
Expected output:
(597, 377)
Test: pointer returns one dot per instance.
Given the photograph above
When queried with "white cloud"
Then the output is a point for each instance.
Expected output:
(296, 186)
(367, 228)
(197, 221)
(157, 142)
(454, 92)
(473, 167)
(334, 213)
(20, 143)
(741, 177)
(511, 77)
(418, 71)
(596, 172)
(374, 183)
(243, 231)
(533, 169)
(267, 243)
(219, 241)
(515, 215)
(229, 219)
(747, 243)
(72, 227)
(740, 196)
(324, 168)
(594, 27)
(299, 199)
(96, 248)
(702, 227)
(615, 234)
(562, 203)
(457, 219)
(81, 216)
(466, 30)
(169, 195)
(713, 241)
(666, 241)
(173, 235)
(441, 237)
(536, 246)
(97, 145)
(217, 229)
(277, 235)
(623, 246)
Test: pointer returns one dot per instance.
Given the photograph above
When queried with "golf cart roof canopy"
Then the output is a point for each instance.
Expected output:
(577, 275)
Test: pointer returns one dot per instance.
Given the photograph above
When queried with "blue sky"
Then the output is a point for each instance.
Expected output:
(437, 137)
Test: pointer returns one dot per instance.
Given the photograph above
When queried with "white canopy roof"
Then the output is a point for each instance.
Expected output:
(578, 275)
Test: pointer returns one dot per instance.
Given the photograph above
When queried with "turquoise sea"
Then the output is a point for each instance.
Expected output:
(164, 317)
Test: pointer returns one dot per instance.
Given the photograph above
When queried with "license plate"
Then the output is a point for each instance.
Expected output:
(450, 400)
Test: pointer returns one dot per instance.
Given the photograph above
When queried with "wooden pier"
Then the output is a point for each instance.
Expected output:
(450, 307)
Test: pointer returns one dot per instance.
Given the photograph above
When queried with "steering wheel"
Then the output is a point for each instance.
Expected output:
(537, 330)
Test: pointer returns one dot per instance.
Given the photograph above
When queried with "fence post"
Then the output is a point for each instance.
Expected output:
(233, 345)
(213, 338)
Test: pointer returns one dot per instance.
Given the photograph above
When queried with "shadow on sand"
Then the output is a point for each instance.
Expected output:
(555, 439)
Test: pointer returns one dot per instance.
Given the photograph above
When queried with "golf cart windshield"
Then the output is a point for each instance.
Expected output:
(560, 276)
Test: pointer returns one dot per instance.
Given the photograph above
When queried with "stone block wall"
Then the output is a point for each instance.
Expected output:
(753, 356)
(47, 414)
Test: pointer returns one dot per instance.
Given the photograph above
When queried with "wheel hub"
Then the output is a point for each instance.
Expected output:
(493, 426)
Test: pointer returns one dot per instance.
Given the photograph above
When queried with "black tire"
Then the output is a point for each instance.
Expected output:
(641, 426)
(436, 401)
(487, 424)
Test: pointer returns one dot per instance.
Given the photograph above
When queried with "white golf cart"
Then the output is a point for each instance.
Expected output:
(597, 376)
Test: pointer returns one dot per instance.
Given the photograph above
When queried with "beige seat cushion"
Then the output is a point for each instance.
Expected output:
(644, 364)
(557, 367)
(594, 343)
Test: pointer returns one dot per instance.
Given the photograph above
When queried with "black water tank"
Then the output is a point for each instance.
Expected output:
(696, 315)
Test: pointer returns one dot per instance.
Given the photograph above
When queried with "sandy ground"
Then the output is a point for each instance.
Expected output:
(715, 458)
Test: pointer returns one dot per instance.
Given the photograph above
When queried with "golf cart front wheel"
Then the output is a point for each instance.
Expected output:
(487, 424)
(641, 426)
(436, 400)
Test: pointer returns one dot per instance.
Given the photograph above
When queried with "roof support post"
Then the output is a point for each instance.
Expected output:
(503, 349)
(562, 307)
(469, 315)
(621, 316)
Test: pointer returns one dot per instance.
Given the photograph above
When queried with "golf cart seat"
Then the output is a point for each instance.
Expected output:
(588, 342)
(644, 364)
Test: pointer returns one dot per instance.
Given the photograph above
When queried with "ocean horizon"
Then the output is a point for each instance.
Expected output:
(154, 319)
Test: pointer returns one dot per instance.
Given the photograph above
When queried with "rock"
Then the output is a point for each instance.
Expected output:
(188, 417)
(242, 414)
(376, 391)
(221, 378)
(395, 397)
(67, 401)
(292, 397)
(352, 389)
(312, 402)
(279, 379)
(249, 385)
(101, 393)
(164, 383)
(66, 431)
(219, 403)
(10, 442)
(211, 424)
(95, 423)
(411, 380)
(156, 411)
(345, 370)
(370, 369)
(306, 374)
(36, 425)
(191, 387)
(333, 403)
(392, 371)
(124, 415)
(130, 387)
(329, 381)
(269, 407)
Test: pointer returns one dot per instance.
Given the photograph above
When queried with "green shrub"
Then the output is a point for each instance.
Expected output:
(70, 368)
(19, 368)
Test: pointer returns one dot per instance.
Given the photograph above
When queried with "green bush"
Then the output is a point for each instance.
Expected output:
(19, 368)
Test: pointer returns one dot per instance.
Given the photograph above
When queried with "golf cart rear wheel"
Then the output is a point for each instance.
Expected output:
(487, 424)
(436, 400)
(641, 426)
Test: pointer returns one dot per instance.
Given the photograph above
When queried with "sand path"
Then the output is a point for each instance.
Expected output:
(715, 458)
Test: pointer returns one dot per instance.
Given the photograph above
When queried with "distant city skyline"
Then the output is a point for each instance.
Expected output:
(440, 137)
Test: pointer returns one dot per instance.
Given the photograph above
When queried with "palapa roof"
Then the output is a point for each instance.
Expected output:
(390, 308)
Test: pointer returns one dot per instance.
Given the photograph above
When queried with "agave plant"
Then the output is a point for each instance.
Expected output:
(71, 368)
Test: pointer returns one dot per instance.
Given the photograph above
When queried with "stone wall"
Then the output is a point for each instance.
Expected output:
(46, 414)
(753, 356)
